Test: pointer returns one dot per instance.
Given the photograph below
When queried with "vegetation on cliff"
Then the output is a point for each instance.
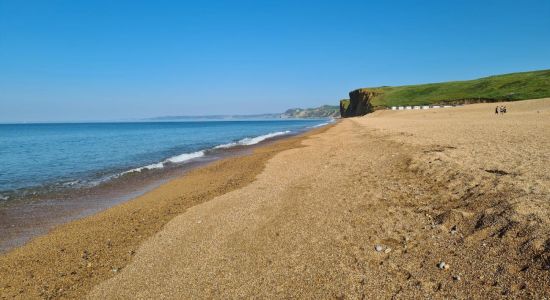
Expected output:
(507, 87)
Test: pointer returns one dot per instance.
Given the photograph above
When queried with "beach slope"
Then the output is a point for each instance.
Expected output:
(436, 203)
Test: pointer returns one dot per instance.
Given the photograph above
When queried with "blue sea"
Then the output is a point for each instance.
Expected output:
(36, 157)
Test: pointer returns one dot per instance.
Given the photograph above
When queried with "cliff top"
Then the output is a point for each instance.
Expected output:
(513, 86)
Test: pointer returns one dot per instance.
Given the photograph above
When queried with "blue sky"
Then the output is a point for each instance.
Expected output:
(112, 60)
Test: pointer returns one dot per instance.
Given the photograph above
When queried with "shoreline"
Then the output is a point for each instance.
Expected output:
(416, 204)
(37, 213)
(74, 256)
(391, 205)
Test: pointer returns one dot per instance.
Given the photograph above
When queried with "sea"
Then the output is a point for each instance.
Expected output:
(53, 173)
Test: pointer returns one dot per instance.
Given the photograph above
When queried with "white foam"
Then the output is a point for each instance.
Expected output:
(174, 159)
(323, 124)
(252, 141)
(71, 183)
(224, 146)
(320, 125)
(185, 157)
(148, 167)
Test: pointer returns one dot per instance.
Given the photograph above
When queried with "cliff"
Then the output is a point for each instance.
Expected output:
(506, 87)
(358, 104)
(344, 104)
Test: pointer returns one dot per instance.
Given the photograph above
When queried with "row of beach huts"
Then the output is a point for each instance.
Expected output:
(420, 107)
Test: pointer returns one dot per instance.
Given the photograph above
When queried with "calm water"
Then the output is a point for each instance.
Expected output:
(34, 157)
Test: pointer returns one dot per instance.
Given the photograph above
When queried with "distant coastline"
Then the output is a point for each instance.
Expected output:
(322, 112)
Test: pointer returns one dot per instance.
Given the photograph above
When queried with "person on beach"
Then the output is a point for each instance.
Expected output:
(504, 109)
(496, 110)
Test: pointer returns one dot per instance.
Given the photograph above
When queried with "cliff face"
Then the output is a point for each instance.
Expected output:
(344, 104)
(359, 103)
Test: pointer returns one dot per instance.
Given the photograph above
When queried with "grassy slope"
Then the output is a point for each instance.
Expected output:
(514, 86)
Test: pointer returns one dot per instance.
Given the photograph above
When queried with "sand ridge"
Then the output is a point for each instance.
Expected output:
(425, 187)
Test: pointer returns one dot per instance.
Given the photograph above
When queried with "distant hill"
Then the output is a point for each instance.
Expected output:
(507, 87)
(325, 111)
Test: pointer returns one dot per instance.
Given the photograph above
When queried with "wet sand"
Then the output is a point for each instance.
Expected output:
(68, 261)
(21, 220)
(38, 213)
(368, 208)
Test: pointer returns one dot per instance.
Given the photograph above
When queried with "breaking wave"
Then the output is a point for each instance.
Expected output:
(185, 157)
(323, 124)
(178, 159)
(252, 141)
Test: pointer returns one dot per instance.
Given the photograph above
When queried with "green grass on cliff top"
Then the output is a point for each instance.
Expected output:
(514, 86)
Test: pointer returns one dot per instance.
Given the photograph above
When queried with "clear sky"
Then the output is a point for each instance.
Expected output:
(106, 60)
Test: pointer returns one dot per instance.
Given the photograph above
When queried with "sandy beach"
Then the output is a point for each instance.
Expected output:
(442, 203)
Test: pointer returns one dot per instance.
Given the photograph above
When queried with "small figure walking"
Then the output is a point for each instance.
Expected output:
(496, 111)
(504, 109)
